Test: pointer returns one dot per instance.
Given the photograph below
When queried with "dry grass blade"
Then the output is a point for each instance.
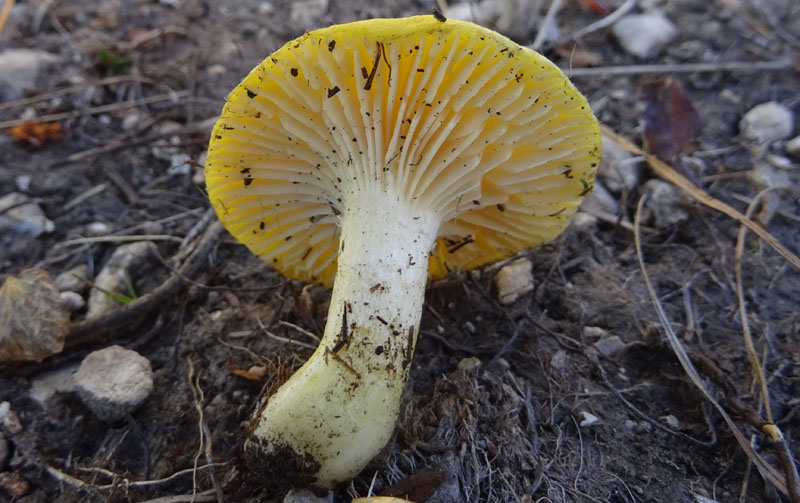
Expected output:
(748, 338)
(766, 470)
(552, 11)
(4, 12)
(771, 429)
(608, 20)
(667, 173)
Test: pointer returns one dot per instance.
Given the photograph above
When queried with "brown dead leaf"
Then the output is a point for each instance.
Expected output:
(37, 133)
(418, 486)
(247, 374)
(671, 125)
(33, 320)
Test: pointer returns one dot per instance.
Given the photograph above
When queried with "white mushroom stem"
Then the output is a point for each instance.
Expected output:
(339, 409)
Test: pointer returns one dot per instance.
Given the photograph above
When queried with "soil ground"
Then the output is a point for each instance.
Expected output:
(501, 398)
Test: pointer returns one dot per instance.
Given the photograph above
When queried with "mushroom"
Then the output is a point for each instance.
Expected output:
(385, 152)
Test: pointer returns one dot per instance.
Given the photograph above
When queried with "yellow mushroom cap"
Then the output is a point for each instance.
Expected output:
(457, 118)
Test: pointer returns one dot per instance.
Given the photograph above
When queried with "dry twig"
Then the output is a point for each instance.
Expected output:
(204, 446)
(555, 6)
(721, 66)
(4, 12)
(606, 21)
(97, 110)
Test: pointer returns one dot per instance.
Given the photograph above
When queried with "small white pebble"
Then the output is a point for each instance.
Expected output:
(588, 419)
(792, 147)
(671, 421)
(306, 496)
(199, 177)
(766, 123)
(215, 70)
(514, 280)
(644, 35)
(72, 300)
(765, 176)
(9, 419)
(73, 280)
(130, 121)
(594, 332)
(179, 164)
(98, 229)
(23, 182)
(780, 162)
(468, 364)
(665, 207)
(584, 220)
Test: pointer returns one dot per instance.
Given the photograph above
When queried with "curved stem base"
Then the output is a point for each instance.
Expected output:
(339, 409)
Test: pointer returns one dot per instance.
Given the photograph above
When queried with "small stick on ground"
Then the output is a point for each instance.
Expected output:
(113, 107)
(4, 12)
(722, 66)
(606, 21)
(122, 184)
(83, 196)
(203, 126)
(555, 6)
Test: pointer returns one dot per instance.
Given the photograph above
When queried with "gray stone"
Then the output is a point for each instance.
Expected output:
(592, 332)
(780, 161)
(21, 215)
(467, 365)
(582, 219)
(19, 69)
(9, 421)
(47, 384)
(73, 280)
(609, 346)
(616, 170)
(644, 35)
(588, 419)
(600, 201)
(180, 164)
(74, 301)
(306, 496)
(793, 147)
(114, 381)
(665, 207)
(766, 123)
(23, 182)
(112, 278)
(765, 176)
